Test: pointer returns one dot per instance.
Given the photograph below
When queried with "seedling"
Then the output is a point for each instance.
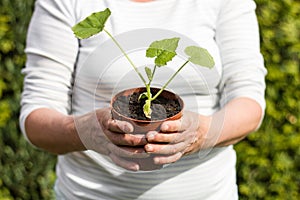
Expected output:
(162, 51)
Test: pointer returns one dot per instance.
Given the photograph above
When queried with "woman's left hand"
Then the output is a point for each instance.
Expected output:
(178, 138)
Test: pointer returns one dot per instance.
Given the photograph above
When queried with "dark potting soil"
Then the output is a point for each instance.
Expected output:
(162, 108)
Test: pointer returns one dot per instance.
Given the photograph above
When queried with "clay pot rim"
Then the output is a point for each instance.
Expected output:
(131, 90)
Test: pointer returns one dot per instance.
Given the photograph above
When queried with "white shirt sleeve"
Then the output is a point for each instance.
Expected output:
(237, 35)
(51, 51)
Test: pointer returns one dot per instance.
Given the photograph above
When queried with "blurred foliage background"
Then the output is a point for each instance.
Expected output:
(268, 160)
(25, 172)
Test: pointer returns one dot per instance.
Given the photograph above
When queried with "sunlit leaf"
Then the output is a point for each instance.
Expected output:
(199, 56)
(162, 50)
(91, 25)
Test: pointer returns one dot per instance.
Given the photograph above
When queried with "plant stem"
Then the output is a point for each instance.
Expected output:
(130, 61)
(167, 83)
(149, 95)
(152, 75)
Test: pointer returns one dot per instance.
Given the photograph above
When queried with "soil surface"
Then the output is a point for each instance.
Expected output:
(162, 108)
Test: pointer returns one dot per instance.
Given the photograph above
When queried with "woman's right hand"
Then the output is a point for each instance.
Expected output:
(100, 133)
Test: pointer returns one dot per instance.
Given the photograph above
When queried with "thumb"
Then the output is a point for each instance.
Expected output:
(188, 120)
(124, 126)
(171, 126)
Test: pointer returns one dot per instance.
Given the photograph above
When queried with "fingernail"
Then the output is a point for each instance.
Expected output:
(150, 136)
(142, 138)
(164, 127)
(136, 168)
(126, 128)
(149, 148)
(156, 160)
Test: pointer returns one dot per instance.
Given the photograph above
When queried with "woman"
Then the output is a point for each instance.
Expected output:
(196, 152)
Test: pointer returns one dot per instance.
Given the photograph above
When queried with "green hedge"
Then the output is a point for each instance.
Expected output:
(268, 160)
(25, 172)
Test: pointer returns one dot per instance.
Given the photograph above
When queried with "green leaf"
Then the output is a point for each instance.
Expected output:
(147, 108)
(149, 73)
(199, 56)
(143, 96)
(163, 50)
(91, 25)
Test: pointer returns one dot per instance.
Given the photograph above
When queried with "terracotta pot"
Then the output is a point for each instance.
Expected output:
(143, 126)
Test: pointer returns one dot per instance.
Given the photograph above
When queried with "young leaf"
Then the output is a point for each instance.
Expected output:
(143, 95)
(91, 25)
(146, 108)
(199, 56)
(149, 73)
(163, 50)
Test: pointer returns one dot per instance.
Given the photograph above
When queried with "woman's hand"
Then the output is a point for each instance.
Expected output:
(194, 132)
(178, 138)
(99, 132)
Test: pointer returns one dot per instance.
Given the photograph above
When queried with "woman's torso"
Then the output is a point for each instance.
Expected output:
(101, 71)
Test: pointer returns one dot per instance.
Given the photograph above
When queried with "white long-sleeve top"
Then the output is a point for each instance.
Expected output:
(75, 77)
